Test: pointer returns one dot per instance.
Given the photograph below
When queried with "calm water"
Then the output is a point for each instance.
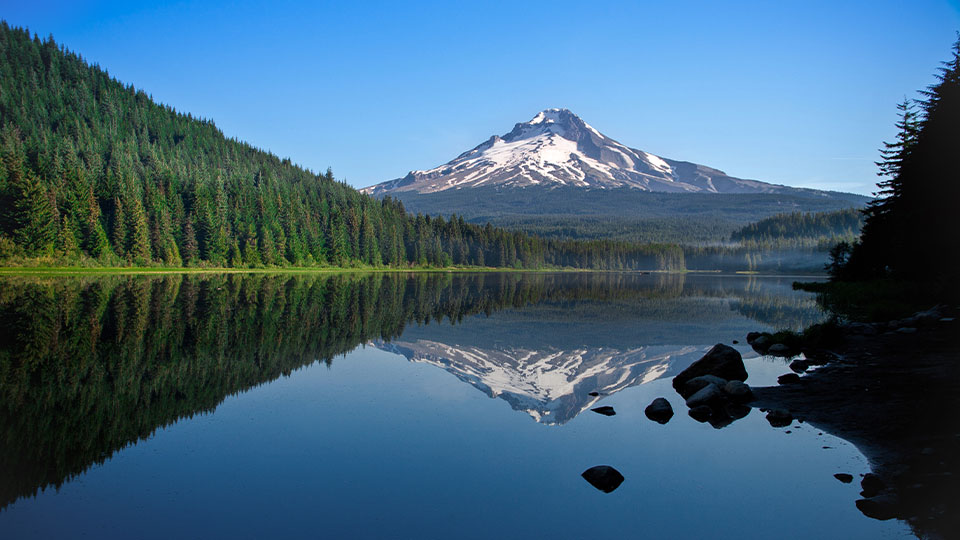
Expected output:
(426, 406)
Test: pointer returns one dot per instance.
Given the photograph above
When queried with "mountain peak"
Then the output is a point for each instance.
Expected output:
(556, 148)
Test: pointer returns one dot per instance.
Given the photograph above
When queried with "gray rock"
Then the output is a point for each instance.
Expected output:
(659, 411)
(761, 342)
(738, 391)
(722, 361)
(779, 418)
(752, 336)
(695, 384)
(603, 477)
(706, 395)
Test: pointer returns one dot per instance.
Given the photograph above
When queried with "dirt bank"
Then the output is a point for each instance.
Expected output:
(895, 394)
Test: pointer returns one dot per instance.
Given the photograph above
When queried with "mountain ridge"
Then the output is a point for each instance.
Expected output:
(555, 149)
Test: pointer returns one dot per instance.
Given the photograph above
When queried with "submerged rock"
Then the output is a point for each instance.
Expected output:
(603, 477)
(594, 394)
(844, 477)
(606, 410)
(660, 411)
(721, 361)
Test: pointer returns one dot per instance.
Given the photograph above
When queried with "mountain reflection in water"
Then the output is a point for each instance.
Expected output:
(89, 365)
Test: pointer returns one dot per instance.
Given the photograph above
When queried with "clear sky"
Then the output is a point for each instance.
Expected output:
(798, 93)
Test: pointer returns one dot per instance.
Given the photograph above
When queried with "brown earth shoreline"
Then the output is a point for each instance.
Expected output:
(895, 395)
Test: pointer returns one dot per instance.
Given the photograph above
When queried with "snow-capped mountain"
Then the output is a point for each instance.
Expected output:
(555, 149)
(552, 385)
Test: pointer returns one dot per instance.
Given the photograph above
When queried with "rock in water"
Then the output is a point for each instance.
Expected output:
(659, 411)
(695, 384)
(738, 391)
(844, 477)
(706, 395)
(722, 361)
(603, 477)
(789, 378)
(701, 413)
(605, 410)
(779, 418)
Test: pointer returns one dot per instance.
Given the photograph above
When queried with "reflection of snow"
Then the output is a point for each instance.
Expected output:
(551, 385)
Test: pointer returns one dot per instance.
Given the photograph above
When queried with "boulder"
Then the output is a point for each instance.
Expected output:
(659, 411)
(593, 394)
(705, 396)
(752, 336)
(779, 418)
(789, 378)
(605, 410)
(603, 477)
(738, 391)
(697, 383)
(701, 413)
(722, 361)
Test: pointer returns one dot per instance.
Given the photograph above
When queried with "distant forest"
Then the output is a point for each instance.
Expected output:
(800, 229)
(627, 215)
(94, 172)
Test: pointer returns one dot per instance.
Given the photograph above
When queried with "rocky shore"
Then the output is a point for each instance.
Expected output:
(893, 390)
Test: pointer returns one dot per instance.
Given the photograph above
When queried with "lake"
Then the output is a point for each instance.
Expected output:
(399, 406)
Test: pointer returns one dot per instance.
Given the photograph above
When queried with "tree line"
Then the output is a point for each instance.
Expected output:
(93, 171)
(910, 230)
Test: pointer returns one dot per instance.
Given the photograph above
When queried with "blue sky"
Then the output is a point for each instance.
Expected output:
(798, 93)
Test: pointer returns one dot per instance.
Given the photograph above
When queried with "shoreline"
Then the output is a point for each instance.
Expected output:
(894, 393)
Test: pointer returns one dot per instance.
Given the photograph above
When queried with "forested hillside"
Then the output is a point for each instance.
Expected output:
(799, 228)
(95, 172)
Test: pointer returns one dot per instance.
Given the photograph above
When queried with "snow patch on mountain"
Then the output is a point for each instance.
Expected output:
(556, 148)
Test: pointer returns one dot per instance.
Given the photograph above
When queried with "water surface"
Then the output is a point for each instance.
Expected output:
(427, 406)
